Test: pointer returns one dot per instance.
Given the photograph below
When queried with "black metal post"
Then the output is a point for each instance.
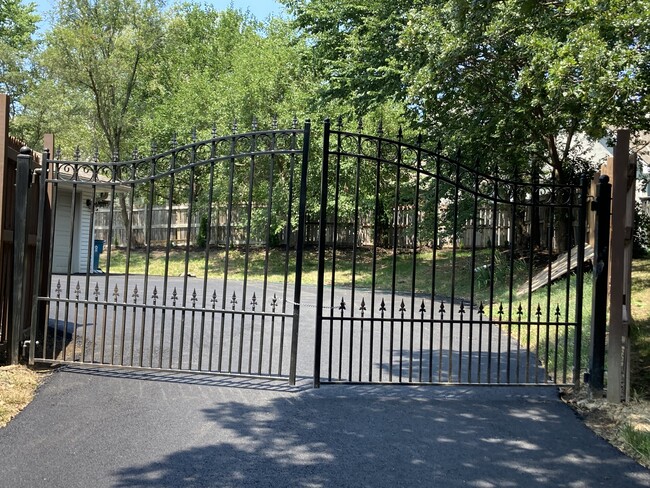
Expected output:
(599, 303)
(321, 254)
(23, 164)
(582, 224)
(38, 258)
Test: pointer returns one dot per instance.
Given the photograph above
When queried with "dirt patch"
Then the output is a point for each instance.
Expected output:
(17, 387)
(615, 422)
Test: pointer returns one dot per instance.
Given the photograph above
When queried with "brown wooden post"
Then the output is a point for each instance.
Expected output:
(617, 266)
(4, 135)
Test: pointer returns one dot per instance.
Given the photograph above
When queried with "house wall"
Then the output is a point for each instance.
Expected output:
(62, 228)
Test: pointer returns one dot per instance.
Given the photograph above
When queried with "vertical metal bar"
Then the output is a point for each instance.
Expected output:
(267, 245)
(172, 180)
(226, 258)
(288, 230)
(109, 248)
(73, 211)
(355, 239)
(434, 251)
(472, 270)
(511, 279)
(582, 222)
(416, 214)
(394, 260)
(534, 211)
(454, 256)
(206, 265)
(249, 217)
(186, 271)
(145, 290)
(375, 245)
(38, 259)
(300, 244)
(335, 231)
(321, 253)
(23, 164)
(495, 215)
(551, 228)
(127, 265)
(89, 264)
(53, 209)
(567, 318)
(599, 296)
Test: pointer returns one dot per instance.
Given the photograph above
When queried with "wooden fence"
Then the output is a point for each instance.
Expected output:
(174, 227)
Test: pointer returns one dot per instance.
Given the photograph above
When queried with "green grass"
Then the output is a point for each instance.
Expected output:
(638, 442)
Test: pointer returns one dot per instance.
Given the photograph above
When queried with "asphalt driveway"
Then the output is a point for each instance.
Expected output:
(103, 428)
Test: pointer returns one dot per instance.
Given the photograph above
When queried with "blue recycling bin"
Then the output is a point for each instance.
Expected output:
(99, 248)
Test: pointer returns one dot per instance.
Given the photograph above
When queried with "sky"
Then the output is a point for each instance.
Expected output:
(260, 9)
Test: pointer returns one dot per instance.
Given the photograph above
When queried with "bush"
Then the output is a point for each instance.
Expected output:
(641, 233)
(202, 236)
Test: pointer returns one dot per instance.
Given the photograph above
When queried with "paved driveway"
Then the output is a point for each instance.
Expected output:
(100, 428)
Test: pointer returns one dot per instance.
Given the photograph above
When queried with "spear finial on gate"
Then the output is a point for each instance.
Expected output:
(116, 156)
(234, 126)
(295, 122)
(363, 306)
(58, 289)
(339, 122)
(154, 148)
(538, 313)
(254, 302)
(360, 125)
(342, 305)
(402, 307)
(116, 293)
(274, 302)
(77, 154)
(193, 134)
(419, 139)
(57, 153)
(423, 308)
(174, 297)
(214, 130)
(254, 123)
(77, 291)
(439, 147)
(274, 122)
(382, 306)
(135, 295)
(96, 292)
(96, 155)
(155, 295)
(233, 300)
(380, 128)
(135, 154)
(173, 142)
(214, 299)
(400, 134)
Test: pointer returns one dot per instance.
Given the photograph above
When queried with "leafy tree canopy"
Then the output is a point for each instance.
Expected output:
(514, 79)
(17, 44)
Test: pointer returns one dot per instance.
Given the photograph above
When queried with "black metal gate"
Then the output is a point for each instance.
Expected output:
(188, 288)
(427, 269)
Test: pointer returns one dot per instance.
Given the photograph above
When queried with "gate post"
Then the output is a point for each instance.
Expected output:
(23, 164)
(599, 296)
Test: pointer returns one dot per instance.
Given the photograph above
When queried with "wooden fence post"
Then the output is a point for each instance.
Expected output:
(617, 268)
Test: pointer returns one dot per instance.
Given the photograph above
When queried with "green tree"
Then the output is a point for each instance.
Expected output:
(17, 45)
(515, 80)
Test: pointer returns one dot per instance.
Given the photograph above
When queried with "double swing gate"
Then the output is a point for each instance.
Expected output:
(428, 269)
